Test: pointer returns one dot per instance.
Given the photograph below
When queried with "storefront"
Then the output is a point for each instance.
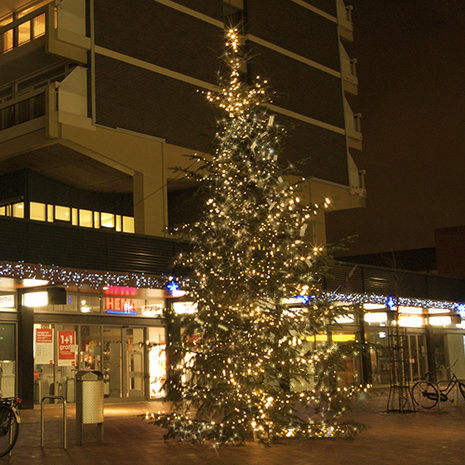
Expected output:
(119, 331)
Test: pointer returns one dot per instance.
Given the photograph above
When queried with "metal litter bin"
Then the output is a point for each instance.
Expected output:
(89, 402)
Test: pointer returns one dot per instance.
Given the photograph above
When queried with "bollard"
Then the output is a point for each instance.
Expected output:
(42, 419)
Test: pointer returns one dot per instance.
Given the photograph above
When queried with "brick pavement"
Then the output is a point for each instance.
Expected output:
(424, 437)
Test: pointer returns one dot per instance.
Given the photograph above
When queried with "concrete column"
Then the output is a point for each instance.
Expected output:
(150, 203)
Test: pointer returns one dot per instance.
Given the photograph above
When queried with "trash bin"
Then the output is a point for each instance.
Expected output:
(89, 401)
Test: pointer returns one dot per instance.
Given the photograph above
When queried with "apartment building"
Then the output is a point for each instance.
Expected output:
(99, 102)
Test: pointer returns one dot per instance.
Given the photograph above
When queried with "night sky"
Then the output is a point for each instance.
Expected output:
(411, 70)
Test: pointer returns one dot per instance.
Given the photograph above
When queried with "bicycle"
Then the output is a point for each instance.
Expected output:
(9, 423)
(427, 394)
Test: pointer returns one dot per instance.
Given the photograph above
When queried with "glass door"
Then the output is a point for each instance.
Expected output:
(135, 343)
(417, 356)
(112, 358)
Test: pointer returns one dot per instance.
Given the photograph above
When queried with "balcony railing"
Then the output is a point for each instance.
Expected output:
(22, 109)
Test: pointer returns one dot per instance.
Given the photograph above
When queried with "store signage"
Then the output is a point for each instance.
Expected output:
(7, 301)
(120, 302)
(43, 353)
(153, 310)
(67, 348)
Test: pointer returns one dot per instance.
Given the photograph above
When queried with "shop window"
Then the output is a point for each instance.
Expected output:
(107, 220)
(37, 211)
(157, 361)
(128, 224)
(7, 360)
(18, 210)
(70, 306)
(90, 350)
(85, 218)
(38, 26)
(62, 213)
(90, 304)
(24, 32)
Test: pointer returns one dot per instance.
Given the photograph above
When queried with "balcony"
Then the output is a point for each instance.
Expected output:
(62, 24)
(344, 20)
(353, 127)
(349, 72)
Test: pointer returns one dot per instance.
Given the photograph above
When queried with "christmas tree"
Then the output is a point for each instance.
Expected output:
(254, 361)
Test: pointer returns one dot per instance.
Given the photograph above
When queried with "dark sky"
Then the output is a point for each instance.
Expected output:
(411, 69)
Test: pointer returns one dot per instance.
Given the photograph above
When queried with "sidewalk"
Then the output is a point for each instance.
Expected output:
(424, 437)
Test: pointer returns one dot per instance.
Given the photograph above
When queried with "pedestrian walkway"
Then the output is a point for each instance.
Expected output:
(424, 437)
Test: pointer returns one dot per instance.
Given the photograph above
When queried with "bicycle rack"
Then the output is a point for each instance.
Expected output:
(42, 419)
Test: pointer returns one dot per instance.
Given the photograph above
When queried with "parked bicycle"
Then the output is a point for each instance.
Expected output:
(427, 394)
(9, 423)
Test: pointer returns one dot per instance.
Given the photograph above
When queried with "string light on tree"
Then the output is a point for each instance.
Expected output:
(247, 368)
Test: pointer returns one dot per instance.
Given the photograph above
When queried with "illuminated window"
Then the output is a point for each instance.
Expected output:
(6, 41)
(118, 223)
(18, 210)
(38, 26)
(24, 32)
(37, 211)
(107, 220)
(128, 224)
(74, 216)
(90, 304)
(2, 211)
(50, 213)
(96, 220)
(85, 218)
(62, 213)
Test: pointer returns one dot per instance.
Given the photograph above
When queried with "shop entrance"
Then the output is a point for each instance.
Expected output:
(418, 357)
(120, 353)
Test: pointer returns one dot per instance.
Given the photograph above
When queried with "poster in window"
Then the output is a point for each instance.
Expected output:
(67, 348)
(43, 353)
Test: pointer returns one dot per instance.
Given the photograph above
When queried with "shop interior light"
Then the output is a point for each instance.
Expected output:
(35, 299)
(411, 321)
(184, 308)
(374, 306)
(411, 310)
(440, 321)
(345, 319)
(375, 317)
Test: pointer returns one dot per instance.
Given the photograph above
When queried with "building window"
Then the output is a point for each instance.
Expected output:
(50, 213)
(18, 210)
(37, 211)
(6, 41)
(90, 304)
(128, 224)
(96, 220)
(107, 220)
(85, 218)
(38, 26)
(74, 216)
(62, 213)
(24, 33)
